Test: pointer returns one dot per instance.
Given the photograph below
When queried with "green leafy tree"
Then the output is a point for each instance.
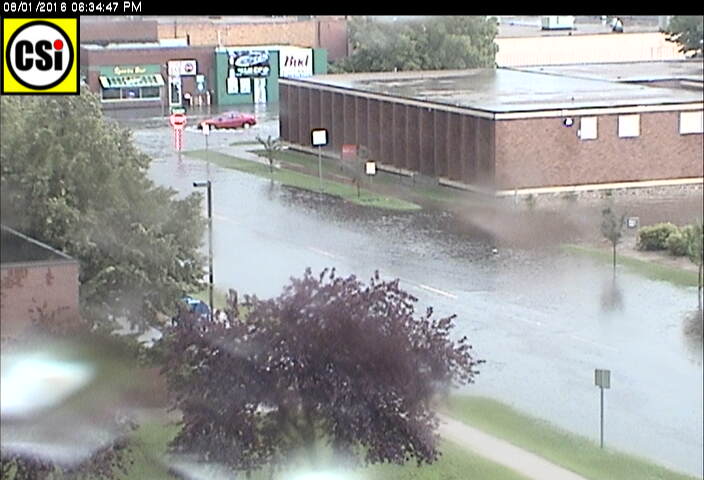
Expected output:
(76, 181)
(611, 228)
(688, 32)
(271, 147)
(436, 43)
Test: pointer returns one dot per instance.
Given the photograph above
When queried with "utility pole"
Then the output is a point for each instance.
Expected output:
(208, 185)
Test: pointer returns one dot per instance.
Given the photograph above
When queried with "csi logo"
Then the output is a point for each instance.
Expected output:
(39, 55)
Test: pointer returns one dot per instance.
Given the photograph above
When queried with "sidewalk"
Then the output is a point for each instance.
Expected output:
(502, 452)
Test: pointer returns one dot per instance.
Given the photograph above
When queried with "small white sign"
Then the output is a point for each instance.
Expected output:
(319, 137)
(371, 167)
(206, 129)
(182, 68)
(295, 62)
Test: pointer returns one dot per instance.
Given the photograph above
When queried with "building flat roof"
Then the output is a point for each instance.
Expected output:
(504, 90)
(629, 71)
(531, 26)
(18, 248)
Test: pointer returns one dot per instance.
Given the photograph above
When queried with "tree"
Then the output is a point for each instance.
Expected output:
(76, 181)
(611, 227)
(436, 43)
(688, 32)
(695, 252)
(330, 358)
(271, 147)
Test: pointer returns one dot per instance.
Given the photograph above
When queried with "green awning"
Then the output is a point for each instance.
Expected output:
(132, 81)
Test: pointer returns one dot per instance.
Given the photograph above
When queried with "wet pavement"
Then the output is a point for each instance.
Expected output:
(543, 320)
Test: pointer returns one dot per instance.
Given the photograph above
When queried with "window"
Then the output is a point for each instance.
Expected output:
(588, 128)
(150, 92)
(628, 126)
(245, 85)
(130, 93)
(691, 122)
(111, 93)
(232, 85)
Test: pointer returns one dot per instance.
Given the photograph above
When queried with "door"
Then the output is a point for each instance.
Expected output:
(175, 96)
(259, 90)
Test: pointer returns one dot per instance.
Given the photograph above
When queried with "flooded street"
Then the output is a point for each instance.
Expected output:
(540, 318)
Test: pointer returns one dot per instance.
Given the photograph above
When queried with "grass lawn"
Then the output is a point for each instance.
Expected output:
(309, 161)
(650, 270)
(308, 182)
(454, 464)
(573, 452)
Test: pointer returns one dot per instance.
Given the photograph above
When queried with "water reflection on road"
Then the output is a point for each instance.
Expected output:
(537, 316)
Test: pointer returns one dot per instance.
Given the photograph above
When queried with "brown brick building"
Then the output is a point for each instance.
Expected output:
(503, 129)
(34, 276)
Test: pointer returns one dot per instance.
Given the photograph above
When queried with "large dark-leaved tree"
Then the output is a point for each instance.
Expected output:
(76, 181)
(330, 360)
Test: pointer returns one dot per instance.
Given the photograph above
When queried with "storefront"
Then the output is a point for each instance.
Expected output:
(132, 83)
(249, 75)
(132, 76)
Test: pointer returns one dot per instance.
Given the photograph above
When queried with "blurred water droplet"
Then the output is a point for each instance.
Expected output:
(38, 381)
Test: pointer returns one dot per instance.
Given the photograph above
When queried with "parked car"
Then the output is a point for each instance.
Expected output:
(230, 120)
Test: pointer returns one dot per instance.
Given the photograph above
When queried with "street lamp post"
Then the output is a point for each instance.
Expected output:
(208, 185)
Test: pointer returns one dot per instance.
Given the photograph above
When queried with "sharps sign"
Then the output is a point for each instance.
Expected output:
(40, 56)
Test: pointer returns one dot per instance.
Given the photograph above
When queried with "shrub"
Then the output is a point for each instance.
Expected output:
(677, 244)
(654, 237)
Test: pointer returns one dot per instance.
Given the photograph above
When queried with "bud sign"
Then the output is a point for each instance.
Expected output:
(40, 56)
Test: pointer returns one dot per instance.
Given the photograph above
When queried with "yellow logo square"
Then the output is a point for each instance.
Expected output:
(40, 56)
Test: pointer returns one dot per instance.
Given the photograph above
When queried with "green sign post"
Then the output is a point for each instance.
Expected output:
(602, 379)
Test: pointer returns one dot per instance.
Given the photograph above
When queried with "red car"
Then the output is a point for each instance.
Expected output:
(230, 120)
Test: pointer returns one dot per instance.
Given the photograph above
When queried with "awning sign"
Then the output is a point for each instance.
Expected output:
(133, 81)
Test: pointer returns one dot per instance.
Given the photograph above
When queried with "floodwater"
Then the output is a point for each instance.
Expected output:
(542, 320)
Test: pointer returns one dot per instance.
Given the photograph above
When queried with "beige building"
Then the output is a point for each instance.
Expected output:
(522, 41)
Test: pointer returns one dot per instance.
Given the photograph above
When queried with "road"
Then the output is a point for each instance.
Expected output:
(538, 317)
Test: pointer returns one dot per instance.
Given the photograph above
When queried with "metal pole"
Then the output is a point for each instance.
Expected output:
(207, 159)
(210, 248)
(602, 416)
(320, 170)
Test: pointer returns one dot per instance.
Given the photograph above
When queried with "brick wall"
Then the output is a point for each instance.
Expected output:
(425, 140)
(50, 286)
(302, 33)
(543, 152)
(327, 33)
(121, 31)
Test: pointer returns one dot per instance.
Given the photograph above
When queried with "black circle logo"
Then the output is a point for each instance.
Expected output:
(39, 55)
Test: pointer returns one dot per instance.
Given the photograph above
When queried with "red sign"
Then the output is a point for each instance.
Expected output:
(349, 151)
(177, 120)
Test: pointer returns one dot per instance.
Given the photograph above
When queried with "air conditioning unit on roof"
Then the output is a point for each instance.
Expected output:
(558, 22)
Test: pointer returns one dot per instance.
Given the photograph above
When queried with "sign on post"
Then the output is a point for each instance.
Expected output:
(319, 137)
(206, 128)
(602, 379)
(178, 124)
(370, 167)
